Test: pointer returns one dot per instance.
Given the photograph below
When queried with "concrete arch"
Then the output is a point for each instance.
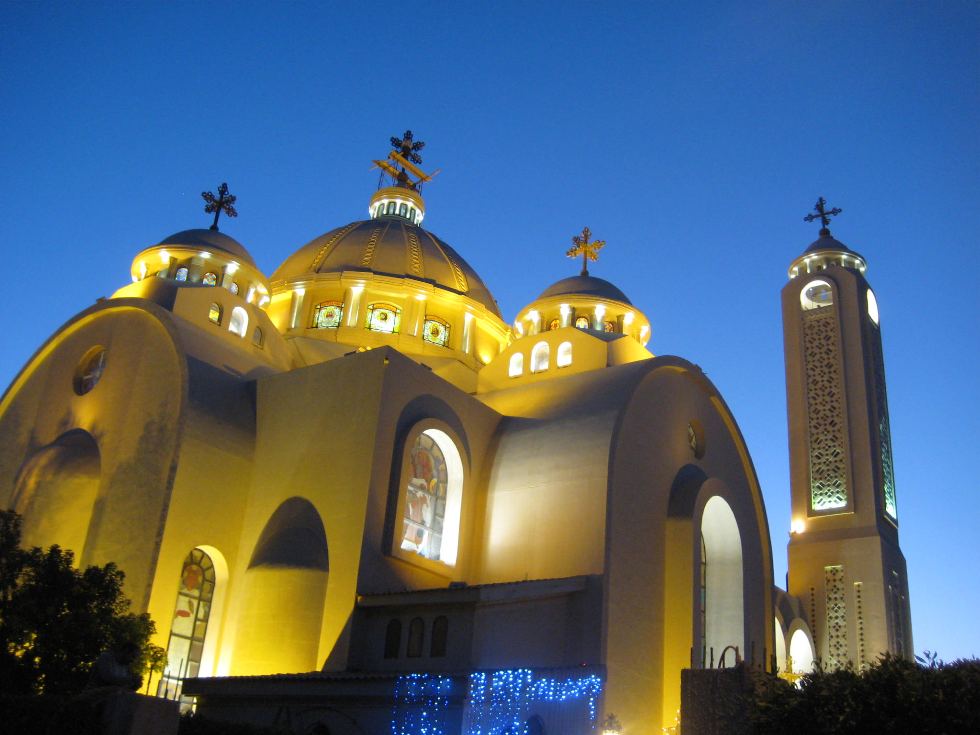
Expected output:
(56, 492)
(724, 618)
(801, 650)
(284, 590)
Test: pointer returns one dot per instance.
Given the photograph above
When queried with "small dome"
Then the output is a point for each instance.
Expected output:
(388, 246)
(210, 241)
(829, 242)
(826, 250)
(585, 286)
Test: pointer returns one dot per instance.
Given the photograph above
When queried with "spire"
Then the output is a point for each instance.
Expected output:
(224, 202)
(581, 245)
(824, 215)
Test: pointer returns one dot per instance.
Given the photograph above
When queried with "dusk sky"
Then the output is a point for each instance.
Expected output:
(691, 137)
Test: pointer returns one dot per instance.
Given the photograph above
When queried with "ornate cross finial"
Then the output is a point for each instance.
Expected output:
(588, 250)
(823, 214)
(223, 203)
(408, 148)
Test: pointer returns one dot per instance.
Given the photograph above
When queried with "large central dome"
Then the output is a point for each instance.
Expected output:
(389, 246)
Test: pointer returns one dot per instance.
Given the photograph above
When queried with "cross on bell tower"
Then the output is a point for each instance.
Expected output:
(824, 215)
(224, 202)
(589, 250)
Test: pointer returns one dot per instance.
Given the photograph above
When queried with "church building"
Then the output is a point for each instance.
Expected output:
(355, 499)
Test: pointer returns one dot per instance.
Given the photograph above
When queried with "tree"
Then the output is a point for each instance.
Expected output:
(55, 619)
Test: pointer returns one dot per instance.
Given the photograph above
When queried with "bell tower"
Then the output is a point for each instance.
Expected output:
(845, 564)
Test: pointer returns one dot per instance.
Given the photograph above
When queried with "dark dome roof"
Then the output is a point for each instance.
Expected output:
(829, 242)
(387, 246)
(585, 286)
(210, 240)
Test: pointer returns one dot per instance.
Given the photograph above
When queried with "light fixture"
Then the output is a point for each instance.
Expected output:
(798, 526)
(611, 726)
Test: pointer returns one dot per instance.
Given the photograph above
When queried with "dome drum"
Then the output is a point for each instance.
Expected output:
(824, 252)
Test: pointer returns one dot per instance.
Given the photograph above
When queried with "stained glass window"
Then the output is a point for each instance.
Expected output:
(383, 318)
(609, 326)
(328, 315)
(425, 502)
(210, 279)
(181, 274)
(554, 324)
(233, 287)
(435, 331)
(214, 313)
(190, 623)
(582, 322)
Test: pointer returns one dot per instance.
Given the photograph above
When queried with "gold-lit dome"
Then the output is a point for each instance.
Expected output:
(389, 245)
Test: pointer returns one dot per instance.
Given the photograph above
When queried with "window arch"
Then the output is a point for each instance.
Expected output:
(516, 366)
(440, 635)
(816, 294)
(722, 616)
(209, 279)
(383, 318)
(181, 274)
(436, 331)
(416, 636)
(195, 593)
(214, 313)
(239, 321)
(582, 322)
(327, 315)
(564, 356)
(540, 357)
(393, 638)
(432, 497)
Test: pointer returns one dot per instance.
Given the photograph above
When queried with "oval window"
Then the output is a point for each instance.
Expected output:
(89, 370)
(815, 295)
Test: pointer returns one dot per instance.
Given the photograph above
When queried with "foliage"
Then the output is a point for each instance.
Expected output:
(55, 619)
(193, 724)
(893, 695)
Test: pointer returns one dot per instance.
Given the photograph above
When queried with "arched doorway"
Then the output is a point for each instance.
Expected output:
(56, 492)
(722, 613)
(800, 653)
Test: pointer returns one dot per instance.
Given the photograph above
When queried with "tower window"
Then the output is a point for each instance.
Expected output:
(209, 279)
(582, 322)
(564, 356)
(214, 313)
(816, 295)
(233, 288)
(181, 274)
(553, 324)
(516, 366)
(239, 321)
(383, 318)
(540, 357)
(872, 307)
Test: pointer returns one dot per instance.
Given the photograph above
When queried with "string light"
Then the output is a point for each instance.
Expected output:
(421, 701)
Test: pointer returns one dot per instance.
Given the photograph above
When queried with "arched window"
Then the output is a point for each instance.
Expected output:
(440, 634)
(416, 636)
(582, 322)
(393, 638)
(564, 356)
(816, 294)
(403, 209)
(436, 331)
(540, 357)
(328, 315)
(257, 337)
(195, 593)
(723, 622)
(233, 287)
(432, 498)
(391, 207)
(239, 321)
(872, 307)
(214, 313)
(608, 326)
(181, 274)
(383, 318)
(554, 324)
(800, 653)
(516, 366)
(209, 279)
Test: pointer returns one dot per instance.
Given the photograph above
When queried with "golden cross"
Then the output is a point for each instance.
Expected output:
(588, 250)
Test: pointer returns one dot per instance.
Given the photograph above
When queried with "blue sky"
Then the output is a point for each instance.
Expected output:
(692, 137)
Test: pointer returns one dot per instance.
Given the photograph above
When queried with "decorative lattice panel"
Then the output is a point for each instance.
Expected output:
(884, 431)
(415, 251)
(836, 617)
(897, 600)
(367, 258)
(825, 413)
(859, 616)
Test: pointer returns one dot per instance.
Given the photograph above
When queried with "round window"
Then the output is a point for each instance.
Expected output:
(816, 294)
(89, 370)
